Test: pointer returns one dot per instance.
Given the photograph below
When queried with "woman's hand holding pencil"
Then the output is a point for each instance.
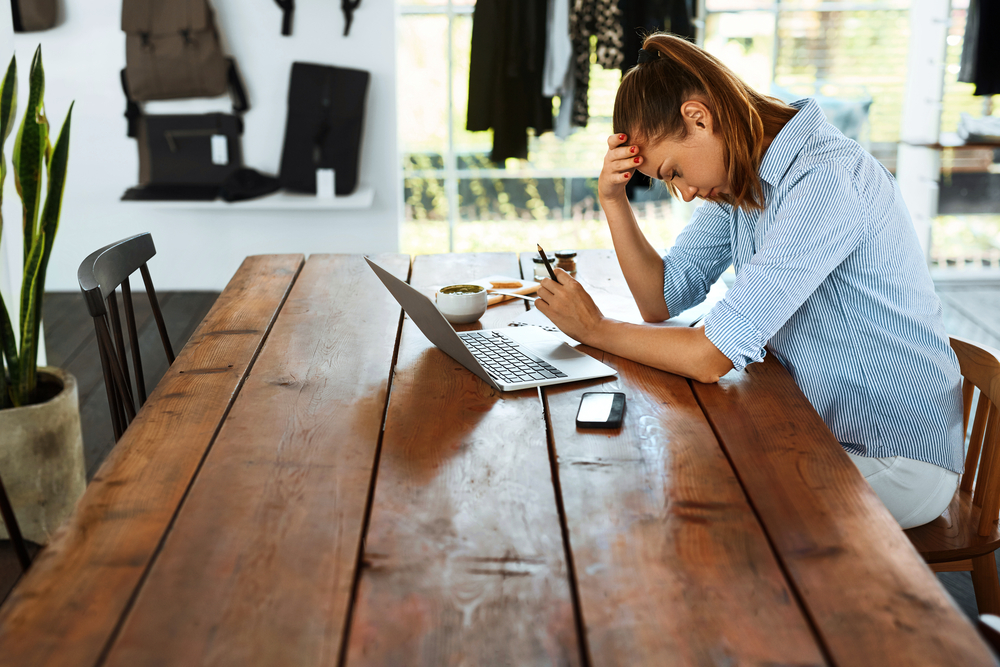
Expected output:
(548, 267)
(563, 300)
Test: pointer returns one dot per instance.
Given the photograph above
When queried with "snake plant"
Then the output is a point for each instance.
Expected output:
(33, 154)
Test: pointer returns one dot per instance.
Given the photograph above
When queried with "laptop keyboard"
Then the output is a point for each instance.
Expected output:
(505, 361)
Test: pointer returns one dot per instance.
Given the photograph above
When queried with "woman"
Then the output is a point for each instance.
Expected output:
(829, 273)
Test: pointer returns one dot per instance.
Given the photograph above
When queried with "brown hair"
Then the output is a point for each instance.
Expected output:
(648, 108)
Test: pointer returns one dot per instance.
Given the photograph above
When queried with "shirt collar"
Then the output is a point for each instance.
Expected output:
(790, 139)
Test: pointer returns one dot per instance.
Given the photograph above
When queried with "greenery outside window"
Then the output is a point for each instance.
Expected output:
(850, 55)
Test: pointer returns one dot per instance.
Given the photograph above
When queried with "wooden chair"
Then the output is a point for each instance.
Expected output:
(966, 536)
(99, 276)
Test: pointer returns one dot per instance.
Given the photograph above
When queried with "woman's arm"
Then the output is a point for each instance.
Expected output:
(662, 287)
(682, 350)
(640, 262)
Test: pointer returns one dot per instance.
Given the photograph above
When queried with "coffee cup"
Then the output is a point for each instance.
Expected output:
(461, 304)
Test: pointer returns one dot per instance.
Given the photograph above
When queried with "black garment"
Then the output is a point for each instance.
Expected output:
(248, 183)
(600, 18)
(981, 51)
(505, 74)
(642, 17)
(326, 117)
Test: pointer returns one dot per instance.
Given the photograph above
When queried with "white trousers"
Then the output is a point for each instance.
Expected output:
(915, 492)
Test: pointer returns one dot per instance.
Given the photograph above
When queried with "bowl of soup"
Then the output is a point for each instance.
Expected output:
(461, 304)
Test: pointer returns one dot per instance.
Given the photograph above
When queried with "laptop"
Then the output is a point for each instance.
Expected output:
(506, 359)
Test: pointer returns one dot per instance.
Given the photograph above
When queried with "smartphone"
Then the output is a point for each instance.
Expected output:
(601, 409)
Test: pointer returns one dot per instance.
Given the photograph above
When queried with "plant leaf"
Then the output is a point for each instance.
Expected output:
(8, 113)
(29, 151)
(8, 350)
(49, 223)
(28, 370)
(8, 100)
(55, 186)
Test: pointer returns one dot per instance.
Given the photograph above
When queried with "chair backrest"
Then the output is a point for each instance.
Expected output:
(981, 370)
(100, 275)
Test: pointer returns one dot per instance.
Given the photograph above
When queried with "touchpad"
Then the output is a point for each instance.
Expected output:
(552, 350)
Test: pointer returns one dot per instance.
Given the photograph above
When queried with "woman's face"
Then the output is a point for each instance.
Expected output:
(694, 164)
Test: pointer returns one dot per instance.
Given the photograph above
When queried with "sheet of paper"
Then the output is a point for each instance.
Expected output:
(535, 318)
(625, 310)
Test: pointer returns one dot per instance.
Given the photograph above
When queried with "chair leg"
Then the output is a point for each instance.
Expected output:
(13, 530)
(986, 583)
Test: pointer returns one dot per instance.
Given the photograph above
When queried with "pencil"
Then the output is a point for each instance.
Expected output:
(545, 259)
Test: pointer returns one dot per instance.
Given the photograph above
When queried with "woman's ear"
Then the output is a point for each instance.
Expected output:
(696, 116)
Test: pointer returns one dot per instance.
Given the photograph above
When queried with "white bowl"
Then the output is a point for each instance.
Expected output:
(461, 304)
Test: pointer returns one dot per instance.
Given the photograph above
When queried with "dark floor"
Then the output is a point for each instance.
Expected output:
(971, 310)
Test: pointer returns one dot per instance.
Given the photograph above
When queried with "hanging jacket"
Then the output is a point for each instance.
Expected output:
(505, 74)
(602, 19)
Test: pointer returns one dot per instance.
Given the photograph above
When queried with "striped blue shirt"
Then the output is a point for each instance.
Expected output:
(831, 278)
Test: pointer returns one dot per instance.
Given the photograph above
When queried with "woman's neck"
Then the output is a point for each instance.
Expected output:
(774, 125)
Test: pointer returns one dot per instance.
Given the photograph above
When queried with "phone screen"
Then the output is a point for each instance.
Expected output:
(595, 408)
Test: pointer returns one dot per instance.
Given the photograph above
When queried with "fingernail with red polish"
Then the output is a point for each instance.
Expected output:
(631, 150)
(626, 174)
(621, 137)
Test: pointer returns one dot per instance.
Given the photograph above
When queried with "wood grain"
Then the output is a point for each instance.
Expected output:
(986, 583)
(259, 567)
(464, 561)
(951, 566)
(866, 590)
(68, 606)
(671, 563)
(967, 531)
(954, 535)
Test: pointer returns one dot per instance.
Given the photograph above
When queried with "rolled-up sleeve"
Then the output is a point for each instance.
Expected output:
(818, 224)
(702, 252)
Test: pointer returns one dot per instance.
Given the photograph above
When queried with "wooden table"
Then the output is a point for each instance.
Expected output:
(258, 513)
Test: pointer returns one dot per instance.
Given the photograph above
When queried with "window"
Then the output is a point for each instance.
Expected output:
(454, 198)
(850, 55)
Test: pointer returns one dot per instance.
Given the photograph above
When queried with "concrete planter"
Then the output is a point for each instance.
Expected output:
(41, 457)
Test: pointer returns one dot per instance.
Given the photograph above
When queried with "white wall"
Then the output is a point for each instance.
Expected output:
(202, 249)
(918, 168)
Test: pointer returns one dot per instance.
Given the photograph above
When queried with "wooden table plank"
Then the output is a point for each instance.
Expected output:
(464, 559)
(671, 564)
(259, 567)
(68, 606)
(867, 591)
